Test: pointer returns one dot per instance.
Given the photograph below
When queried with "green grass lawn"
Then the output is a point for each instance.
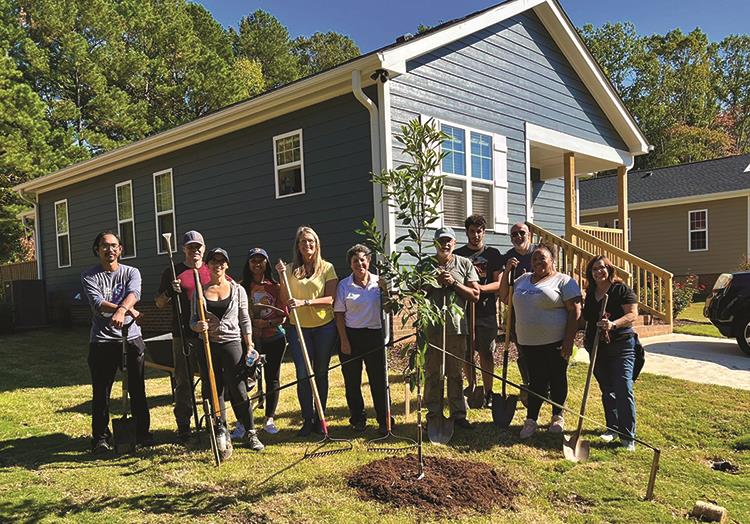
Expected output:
(703, 327)
(48, 475)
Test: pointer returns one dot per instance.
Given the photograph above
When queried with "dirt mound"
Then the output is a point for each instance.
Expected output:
(448, 487)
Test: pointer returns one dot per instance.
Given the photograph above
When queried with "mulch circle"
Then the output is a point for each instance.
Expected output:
(449, 486)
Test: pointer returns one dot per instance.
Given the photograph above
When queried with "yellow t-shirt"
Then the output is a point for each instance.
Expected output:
(308, 289)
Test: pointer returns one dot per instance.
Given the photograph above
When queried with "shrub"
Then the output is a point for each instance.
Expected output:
(684, 292)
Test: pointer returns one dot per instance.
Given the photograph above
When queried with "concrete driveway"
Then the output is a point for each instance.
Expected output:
(699, 359)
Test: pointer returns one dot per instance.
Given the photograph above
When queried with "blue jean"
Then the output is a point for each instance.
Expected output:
(320, 342)
(614, 373)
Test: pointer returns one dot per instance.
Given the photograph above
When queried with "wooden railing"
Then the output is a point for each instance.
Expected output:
(616, 237)
(652, 284)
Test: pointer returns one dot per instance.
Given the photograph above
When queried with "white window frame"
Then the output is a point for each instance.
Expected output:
(592, 223)
(616, 222)
(690, 230)
(498, 185)
(159, 240)
(120, 222)
(299, 163)
(58, 234)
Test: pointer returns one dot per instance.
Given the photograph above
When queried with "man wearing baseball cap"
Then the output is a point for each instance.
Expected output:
(182, 289)
(458, 281)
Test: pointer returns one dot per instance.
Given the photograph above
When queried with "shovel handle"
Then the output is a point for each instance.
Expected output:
(508, 321)
(206, 343)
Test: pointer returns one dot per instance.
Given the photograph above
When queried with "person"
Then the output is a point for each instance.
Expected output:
(312, 287)
(169, 293)
(547, 306)
(616, 353)
(112, 290)
(458, 280)
(268, 326)
(357, 313)
(228, 323)
(520, 255)
(488, 263)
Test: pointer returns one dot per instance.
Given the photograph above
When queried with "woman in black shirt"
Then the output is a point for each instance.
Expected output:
(616, 354)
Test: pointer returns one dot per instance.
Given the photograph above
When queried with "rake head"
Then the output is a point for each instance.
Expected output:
(382, 444)
(334, 445)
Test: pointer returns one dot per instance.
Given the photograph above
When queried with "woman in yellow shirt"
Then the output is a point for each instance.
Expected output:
(312, 283)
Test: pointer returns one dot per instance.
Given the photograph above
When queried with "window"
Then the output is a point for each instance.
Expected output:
(616, 225)
(125, 218)
(476, 179)
(164, 207)
(62, 229)
(698, 230)
(288, 164)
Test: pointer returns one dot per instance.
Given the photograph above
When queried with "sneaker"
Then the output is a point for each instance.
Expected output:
(628, 444)
(359, 426)
(184, 433)
(239, 431)
(306, 429)
(101, 446)
(269, 427)
(608, 436)
(463, 423)
(557, 425)
(252, 440)
(488, 401)
(146, 441)
(529, 428)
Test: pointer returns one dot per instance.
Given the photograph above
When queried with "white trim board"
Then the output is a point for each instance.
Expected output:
(551, 137)
(669, 202)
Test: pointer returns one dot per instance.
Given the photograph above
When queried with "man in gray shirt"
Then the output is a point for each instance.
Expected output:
(112, 290)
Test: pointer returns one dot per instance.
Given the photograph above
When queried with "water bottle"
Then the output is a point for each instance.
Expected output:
(252, 358)
(221, 439)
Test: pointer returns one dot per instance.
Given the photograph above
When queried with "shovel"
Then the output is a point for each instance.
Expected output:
(439, 428)
(503, 405)
(123, 428)
(574, 448)
(475, 395)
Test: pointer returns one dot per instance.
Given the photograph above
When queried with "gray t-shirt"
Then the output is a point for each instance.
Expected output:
(100, 285)
(464, 272)
(541, 316)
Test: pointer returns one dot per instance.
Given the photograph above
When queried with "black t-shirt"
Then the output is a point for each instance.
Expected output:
(486, 261)
(619, 295)
(187, 283)
(524, 261)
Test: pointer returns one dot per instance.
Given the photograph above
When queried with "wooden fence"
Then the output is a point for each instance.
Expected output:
(18, 271)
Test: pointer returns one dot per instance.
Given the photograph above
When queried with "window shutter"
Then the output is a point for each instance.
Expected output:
(454, 203)
(500, 171)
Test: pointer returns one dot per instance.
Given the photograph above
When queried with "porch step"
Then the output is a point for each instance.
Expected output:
(653, 330)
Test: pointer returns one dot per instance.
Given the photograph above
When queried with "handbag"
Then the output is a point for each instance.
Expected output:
(640, 358)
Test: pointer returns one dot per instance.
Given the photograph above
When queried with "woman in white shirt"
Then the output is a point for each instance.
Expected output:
(357, 312)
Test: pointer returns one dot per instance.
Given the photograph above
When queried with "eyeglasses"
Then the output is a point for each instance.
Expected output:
(194, 247)
(518, 234)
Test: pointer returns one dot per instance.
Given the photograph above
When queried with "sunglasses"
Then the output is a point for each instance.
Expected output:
(518, 234)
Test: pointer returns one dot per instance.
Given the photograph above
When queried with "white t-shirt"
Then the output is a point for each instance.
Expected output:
(360, 305)
(540, 309)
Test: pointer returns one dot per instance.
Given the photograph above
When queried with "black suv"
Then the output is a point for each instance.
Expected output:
(728, 307)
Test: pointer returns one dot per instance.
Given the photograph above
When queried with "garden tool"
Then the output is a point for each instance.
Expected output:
(123, 428)
(440, 428)
(185, 346)
(221, 443)
(504, 405)
(328, 445)
(384, 444)
(474, 394)
(574, 448)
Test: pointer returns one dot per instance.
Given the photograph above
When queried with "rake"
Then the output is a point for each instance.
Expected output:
(317, 449)
(385, 443)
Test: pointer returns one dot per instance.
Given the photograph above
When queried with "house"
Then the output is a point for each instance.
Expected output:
(689, 219)
(524, 104)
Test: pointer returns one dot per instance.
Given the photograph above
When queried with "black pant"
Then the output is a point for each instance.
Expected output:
(548, 371)
(105, 358)
(274, 351)
(362, 341)
(229, 366)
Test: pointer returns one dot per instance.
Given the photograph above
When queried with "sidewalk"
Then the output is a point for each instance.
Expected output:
(706, 360)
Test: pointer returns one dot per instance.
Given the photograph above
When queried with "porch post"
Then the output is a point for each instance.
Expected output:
(569, 174)
(622, 206)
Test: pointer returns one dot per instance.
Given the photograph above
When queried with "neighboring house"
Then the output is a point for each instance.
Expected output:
(524, 104)
(689, 219)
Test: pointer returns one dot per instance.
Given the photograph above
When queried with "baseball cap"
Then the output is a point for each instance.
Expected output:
(217, 251)
(256, 252)
(445, 232)
(192, 237)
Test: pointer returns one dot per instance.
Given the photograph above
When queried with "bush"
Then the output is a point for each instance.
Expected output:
(684, 292)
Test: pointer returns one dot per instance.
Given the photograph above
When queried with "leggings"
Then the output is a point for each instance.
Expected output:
(273, 349)
(548, 371)
(228, 364)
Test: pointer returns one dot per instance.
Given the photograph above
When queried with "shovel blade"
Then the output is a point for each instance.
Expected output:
(475, 399)
(576, 449)
(440, 430)
(503, 410)
(123, 432)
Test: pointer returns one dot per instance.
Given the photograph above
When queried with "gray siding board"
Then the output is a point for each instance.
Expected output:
(547, 201)
(224, 187)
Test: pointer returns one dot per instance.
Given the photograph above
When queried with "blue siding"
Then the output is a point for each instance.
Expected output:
(496, 80)
(224, 188)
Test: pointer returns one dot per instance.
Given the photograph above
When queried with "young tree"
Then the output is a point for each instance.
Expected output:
(733, 65)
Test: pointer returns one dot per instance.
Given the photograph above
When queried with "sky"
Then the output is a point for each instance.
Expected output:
(375, 24)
